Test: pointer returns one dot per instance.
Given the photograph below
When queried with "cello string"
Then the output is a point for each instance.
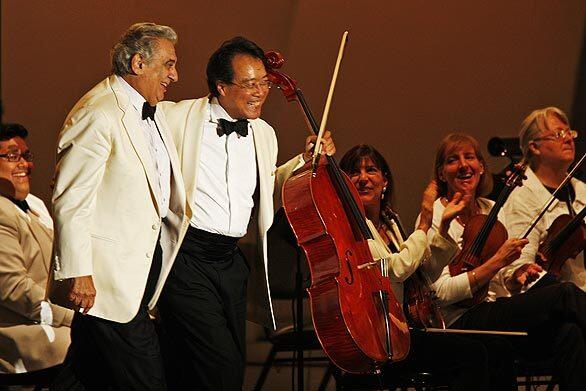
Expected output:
(481, 238)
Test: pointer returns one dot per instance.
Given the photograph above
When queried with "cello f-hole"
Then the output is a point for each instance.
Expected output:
(350, 280)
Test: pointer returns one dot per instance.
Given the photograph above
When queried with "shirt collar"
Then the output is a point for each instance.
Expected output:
(136, 99)
(20, 211)
(217, 112)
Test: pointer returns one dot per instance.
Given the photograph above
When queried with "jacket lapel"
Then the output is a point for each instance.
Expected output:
(265, 174)
(580, 190)
(169, 145)
(133, 129)
(42, 235)
(534, 184)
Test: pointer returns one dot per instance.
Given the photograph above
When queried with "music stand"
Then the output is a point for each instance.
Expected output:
(284, 255)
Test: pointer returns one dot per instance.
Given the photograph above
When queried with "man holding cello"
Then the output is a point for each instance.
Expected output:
(228, 158)
(547, 143)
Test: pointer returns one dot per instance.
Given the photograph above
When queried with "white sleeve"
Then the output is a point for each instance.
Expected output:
(519, 212)
(83, 148)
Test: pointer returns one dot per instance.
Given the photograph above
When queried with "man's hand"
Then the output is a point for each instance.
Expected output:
(327, 147)
(82, 293)
(523, 276)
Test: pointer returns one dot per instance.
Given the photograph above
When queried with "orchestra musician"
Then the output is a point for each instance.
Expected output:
(34, 333)
(554, 316)
(547, 142)
(228, 159)
(370, 173)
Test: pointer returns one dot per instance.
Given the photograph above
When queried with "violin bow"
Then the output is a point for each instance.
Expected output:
(324, 118)
(552, 198)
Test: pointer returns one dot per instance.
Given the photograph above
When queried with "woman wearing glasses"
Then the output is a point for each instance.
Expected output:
(439, 354)
(553, 315)
(548, 146)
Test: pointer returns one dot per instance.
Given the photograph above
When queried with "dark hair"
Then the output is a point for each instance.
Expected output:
(453, 140)
(219, 66)
(352, 160)
(9, 131)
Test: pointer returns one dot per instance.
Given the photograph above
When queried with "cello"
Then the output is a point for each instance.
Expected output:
(357, 319)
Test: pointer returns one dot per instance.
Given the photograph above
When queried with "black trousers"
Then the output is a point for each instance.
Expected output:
(555, 317)
(203, 312)
(463, 362)
(106, 355)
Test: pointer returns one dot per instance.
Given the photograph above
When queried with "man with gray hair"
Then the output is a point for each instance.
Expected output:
(120, 215)
(548, 146)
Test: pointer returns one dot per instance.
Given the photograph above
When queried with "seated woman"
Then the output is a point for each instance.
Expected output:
(554, 316)
(463, 361)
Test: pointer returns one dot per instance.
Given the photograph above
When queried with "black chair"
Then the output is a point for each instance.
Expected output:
(287, 340)
(39, 379)
(289, 277)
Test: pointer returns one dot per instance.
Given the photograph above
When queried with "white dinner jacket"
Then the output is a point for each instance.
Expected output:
(186, 120)
(106, 217)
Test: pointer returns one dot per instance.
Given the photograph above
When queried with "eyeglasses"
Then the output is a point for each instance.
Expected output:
(16, 156)
(559, 135)
(252, 86)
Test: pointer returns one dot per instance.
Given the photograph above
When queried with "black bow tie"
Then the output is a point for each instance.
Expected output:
(148, 111)
(22, 204)
(227, 127)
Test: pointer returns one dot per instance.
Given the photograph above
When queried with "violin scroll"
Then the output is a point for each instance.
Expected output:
(517, 176)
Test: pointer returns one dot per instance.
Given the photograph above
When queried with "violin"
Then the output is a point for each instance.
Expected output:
(484, 235)
(420, 305)
(566, 238)
(357, 319)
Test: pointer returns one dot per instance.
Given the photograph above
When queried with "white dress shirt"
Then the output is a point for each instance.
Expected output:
(161, 166)
(452, 289)
(415, 251)
(223, 198)
(523, 205)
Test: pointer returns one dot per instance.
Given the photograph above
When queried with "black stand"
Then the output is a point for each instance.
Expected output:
(285, 256)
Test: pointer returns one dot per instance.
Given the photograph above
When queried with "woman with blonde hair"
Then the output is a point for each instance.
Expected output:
(554, 316)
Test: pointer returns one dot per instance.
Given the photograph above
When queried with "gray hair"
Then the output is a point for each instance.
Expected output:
(140, 38)
(535, 124)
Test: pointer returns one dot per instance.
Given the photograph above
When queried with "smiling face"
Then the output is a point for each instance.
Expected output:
(154, 77)
(14, 176)
(369, 181)
(239, 101)
(461, 170)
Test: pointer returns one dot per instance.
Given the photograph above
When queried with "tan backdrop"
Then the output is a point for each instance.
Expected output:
(413, 70)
